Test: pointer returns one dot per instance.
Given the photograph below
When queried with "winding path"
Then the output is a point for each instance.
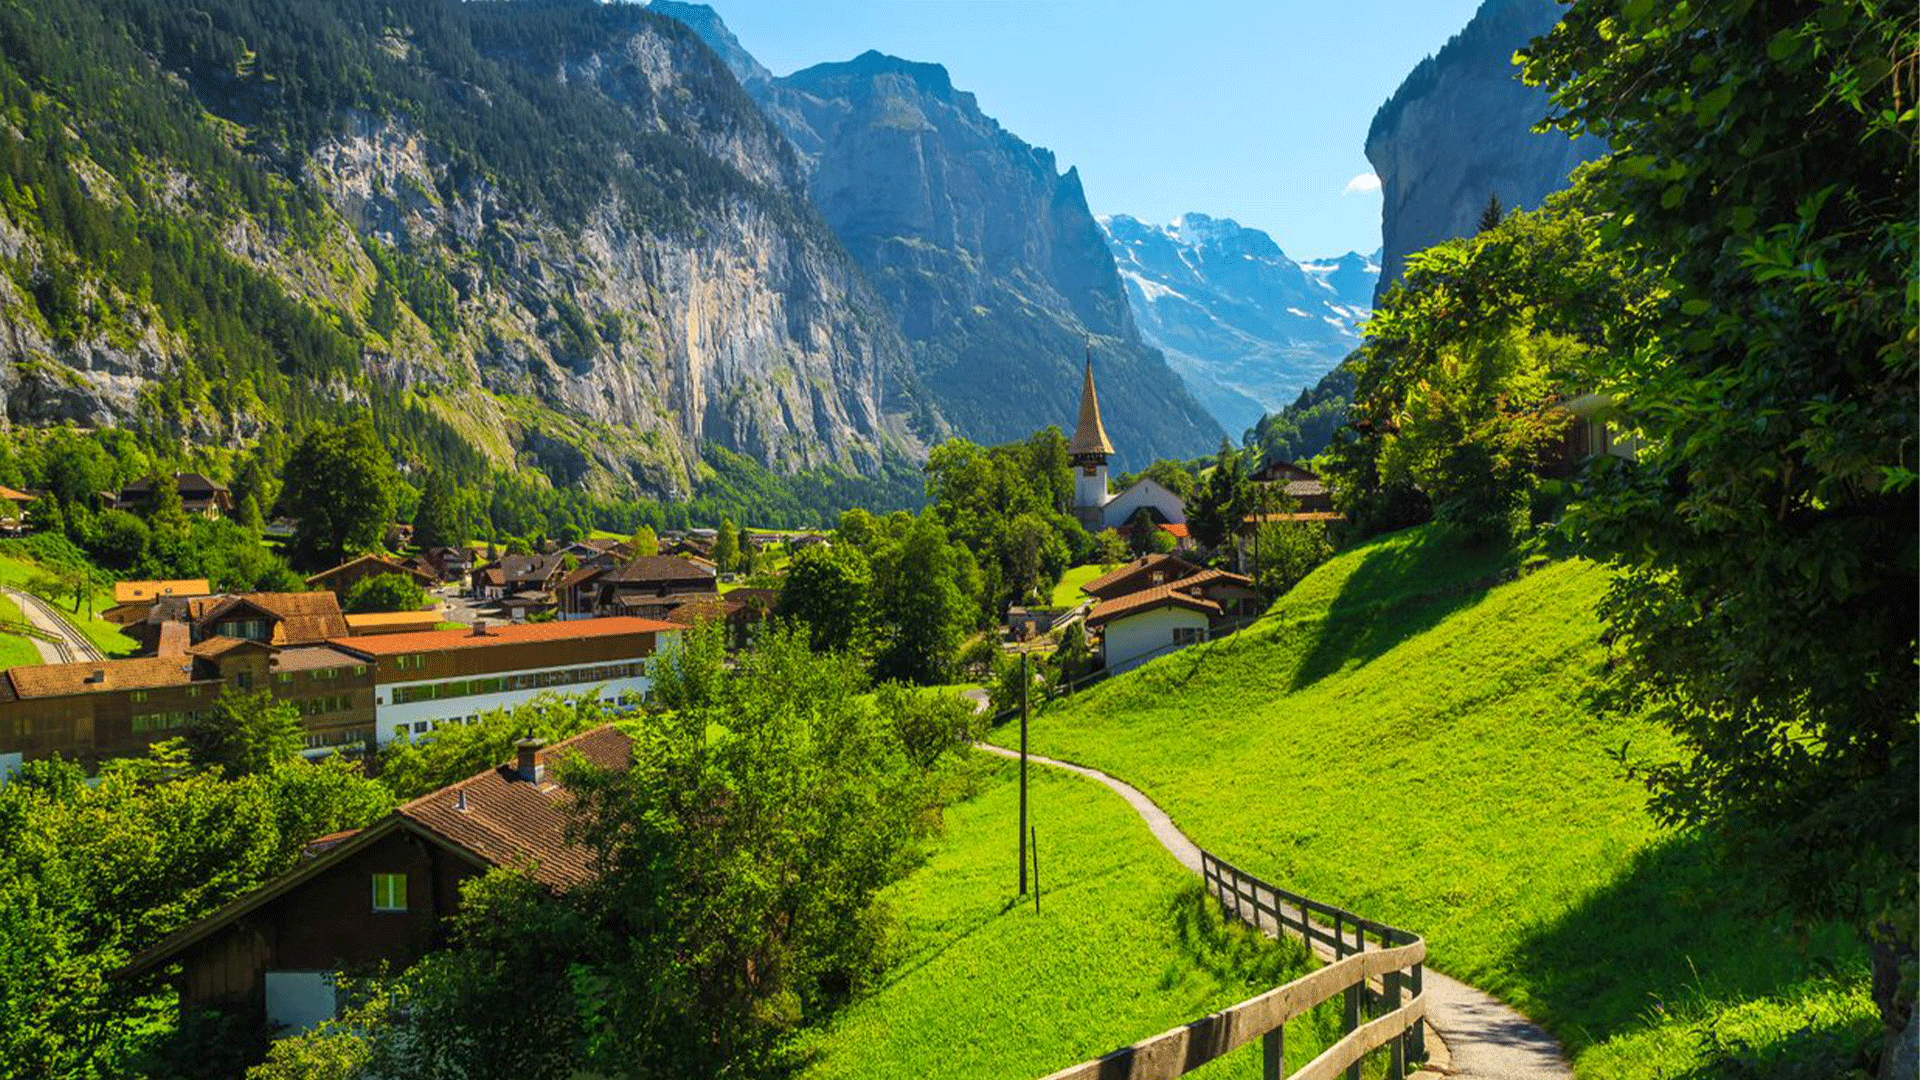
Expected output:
(1484, 1039)
(71, 646)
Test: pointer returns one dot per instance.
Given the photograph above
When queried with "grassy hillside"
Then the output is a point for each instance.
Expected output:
(15, 649)
(18, 571)
(1124, 946)
(1406, 738)
(1067, 594)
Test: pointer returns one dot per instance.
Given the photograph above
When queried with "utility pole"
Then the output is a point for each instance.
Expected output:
(1024, 682)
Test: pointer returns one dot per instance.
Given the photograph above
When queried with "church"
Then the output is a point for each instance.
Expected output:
(1094, 505)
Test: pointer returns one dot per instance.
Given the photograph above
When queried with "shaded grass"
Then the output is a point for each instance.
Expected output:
(1407, 737)
(1124, 946)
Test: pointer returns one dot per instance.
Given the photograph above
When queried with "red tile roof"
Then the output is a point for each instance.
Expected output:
(1177, 593)
(1175, 529)
(443, 640)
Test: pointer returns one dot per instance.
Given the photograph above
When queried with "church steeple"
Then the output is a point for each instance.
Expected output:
(1090, 443)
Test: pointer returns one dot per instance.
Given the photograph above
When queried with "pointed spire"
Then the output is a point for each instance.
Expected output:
(1090, 438)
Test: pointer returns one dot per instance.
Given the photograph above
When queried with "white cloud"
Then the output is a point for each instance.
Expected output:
(1365, 181)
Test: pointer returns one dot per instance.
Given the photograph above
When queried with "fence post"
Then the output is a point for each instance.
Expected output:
(1397, 1068)
(1273, 1054)
(1419, 1046)
(1353, 1020)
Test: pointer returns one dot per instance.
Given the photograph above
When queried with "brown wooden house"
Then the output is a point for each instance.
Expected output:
(381, 895)
(341, 579)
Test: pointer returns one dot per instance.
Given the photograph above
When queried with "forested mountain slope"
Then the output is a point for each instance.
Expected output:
(547, 233)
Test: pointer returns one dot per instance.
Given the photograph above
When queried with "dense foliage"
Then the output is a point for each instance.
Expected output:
(92, 873)
(738, 859)
(1763, 160)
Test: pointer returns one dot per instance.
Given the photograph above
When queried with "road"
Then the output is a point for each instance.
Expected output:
(72, 644)
(1480, 1037)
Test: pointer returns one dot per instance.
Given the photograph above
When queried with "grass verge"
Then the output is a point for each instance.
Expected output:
(16, 650)
(1067, 594)
(1412, 736)
(105, 636)
(1124, 946)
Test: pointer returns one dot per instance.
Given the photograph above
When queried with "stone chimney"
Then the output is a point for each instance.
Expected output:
(528, 765)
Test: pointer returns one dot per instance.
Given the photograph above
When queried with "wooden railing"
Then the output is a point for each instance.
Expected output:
(1377, 968)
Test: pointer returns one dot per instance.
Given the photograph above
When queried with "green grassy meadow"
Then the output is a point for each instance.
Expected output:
(17, 571)
(16, 650)
(1406, 738)
(1067, 593)
(1124, 946)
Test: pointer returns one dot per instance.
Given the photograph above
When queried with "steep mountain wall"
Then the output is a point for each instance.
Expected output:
(987, 254)
(549, 234)
(1458, 130)
(1247, 327)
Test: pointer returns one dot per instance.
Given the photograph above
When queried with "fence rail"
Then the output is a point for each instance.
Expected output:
(1378, 970)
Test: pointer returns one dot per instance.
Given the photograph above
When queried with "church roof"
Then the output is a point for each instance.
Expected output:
(1091, 436)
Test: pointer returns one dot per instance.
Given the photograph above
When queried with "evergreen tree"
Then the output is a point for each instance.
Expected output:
(726, 546)
(1494, 213)
(436, 521)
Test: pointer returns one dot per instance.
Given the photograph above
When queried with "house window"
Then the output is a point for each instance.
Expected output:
(1188, 635)
(389, 892)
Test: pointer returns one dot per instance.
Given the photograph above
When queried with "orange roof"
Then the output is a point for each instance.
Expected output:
(1179, 530)
(1310, 515)
(130, 592)
(442, 640)
(368, 619)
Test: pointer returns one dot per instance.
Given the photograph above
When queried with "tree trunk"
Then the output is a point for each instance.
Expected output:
(1893, 955)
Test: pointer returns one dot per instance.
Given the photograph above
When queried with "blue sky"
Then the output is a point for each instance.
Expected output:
(1250, 109)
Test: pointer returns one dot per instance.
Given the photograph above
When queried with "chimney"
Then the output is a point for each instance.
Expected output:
(479, 628)
(99, 675)
(460, 800)
(528, 768)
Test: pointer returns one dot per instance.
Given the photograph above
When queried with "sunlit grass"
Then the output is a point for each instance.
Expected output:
(1067, 594)
(1124, 946)
(16, 650)
(106, 636)
(1408, 739)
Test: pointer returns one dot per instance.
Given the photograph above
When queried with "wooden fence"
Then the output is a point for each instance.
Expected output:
(1376, 968)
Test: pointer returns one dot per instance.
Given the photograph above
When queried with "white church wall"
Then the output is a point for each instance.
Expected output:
(1145, 492)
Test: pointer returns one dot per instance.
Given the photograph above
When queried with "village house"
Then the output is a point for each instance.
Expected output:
(132, 600)
(340, 580)
(379, 896)
(1141, 573)
(451, 563)
(515, 574)
(1302, 487)
(198, 495)
(14, 518)
(1136, 626)
(168, 623)
(651, 586)
(393, 622)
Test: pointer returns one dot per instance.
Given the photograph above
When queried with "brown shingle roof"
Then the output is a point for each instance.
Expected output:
(1119, 574)
(380, 561)
(304, 618)
(509, 820)
(660, 568)
(1146, 599)
(142, 673)
(443, 640)
(215, 647)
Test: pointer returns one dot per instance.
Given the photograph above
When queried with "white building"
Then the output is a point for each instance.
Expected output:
(425, 680)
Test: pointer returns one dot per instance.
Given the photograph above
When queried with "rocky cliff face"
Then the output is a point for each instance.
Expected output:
(1458, 130)
(561, 233)
(1247, 327)
(987, 255)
